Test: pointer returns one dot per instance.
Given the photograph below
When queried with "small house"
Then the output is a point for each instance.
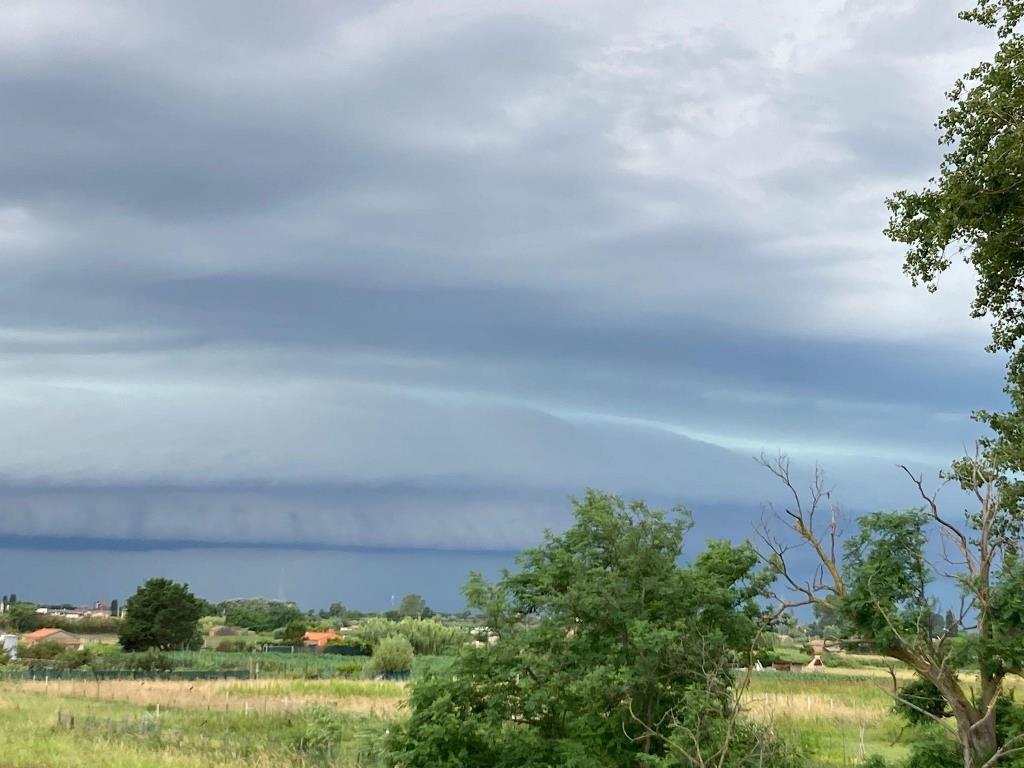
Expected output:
(320, 639)
(53, 635)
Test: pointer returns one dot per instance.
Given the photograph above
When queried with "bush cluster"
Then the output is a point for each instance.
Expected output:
(427, 636)
(392, 655)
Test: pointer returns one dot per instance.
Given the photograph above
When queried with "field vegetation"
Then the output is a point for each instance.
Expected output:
(839, 717)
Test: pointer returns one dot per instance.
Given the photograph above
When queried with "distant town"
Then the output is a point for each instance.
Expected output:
(98, 610)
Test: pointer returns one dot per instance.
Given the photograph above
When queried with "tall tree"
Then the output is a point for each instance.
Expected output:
(877, 583)
(22, 617)
(413, 606)
(609, 654)
(161, 614)
(974, 208)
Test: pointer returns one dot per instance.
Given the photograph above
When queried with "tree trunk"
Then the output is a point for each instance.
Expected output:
(977, 738)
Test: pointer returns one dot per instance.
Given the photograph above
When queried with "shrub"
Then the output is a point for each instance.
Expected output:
(358, 645)
(935, 750)
(149, 661)
(294, 633)
(45, 649)
(927, 703)
(427, 636)
(234, 646)
(87, 625)
(322, 730)
(49, 653)
(393, 655)
(259, 614)
(374, 629)
(351, 668)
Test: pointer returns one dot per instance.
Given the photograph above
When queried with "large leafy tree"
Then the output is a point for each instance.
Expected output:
(22, 617)
(259, 614)
(609, 654)
(974, 209)
(161, 614)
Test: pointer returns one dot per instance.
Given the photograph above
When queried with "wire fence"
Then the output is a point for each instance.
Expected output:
(35, 674)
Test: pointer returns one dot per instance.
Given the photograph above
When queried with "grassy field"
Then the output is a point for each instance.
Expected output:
(836, 716)
(53, 730)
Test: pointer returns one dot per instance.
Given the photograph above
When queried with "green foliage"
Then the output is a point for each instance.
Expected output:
(21, 617)
(428, 636)
(886, 576)
(374, 629)
(1005, 649)
(87, 625)
(322, 730)
(51, 654)
(336, 612)
(152, 660)
(294, 633)
(349, 641)
(920, 702)
(974, 208)
(45, 649)
(976, 199)
(392, 655)
(414, 607)
(606, 645)
(259, 614)
(936, 749)
(234, 645)
(161, 614)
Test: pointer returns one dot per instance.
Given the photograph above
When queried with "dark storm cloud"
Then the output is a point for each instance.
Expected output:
(413, 275)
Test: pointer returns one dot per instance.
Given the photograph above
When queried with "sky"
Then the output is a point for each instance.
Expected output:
(404, 277)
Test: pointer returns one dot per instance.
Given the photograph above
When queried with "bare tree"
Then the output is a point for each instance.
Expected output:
(978, 553)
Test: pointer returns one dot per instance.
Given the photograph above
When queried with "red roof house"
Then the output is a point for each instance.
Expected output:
(320, 639)
(52, 635)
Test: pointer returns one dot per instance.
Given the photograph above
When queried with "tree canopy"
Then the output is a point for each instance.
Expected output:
(875, 586)
(414, 606)
(161, 614)
(260, 614)
(973, 208)
(609, 653)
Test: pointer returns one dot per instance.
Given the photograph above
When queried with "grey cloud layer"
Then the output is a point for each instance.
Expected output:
(516, 248)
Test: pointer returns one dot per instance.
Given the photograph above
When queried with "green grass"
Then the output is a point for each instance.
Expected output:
(333, 687)
(270, 664)
(830, 716)
(38, 732)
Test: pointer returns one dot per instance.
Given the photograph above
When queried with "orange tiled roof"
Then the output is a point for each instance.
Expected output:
(42, 634)
(316, 636)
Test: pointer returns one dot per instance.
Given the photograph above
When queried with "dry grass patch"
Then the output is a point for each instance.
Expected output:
(256, 696)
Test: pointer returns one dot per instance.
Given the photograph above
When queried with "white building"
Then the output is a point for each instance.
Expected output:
(9, 643)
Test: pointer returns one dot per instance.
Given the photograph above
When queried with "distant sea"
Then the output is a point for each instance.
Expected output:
(371, 580)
